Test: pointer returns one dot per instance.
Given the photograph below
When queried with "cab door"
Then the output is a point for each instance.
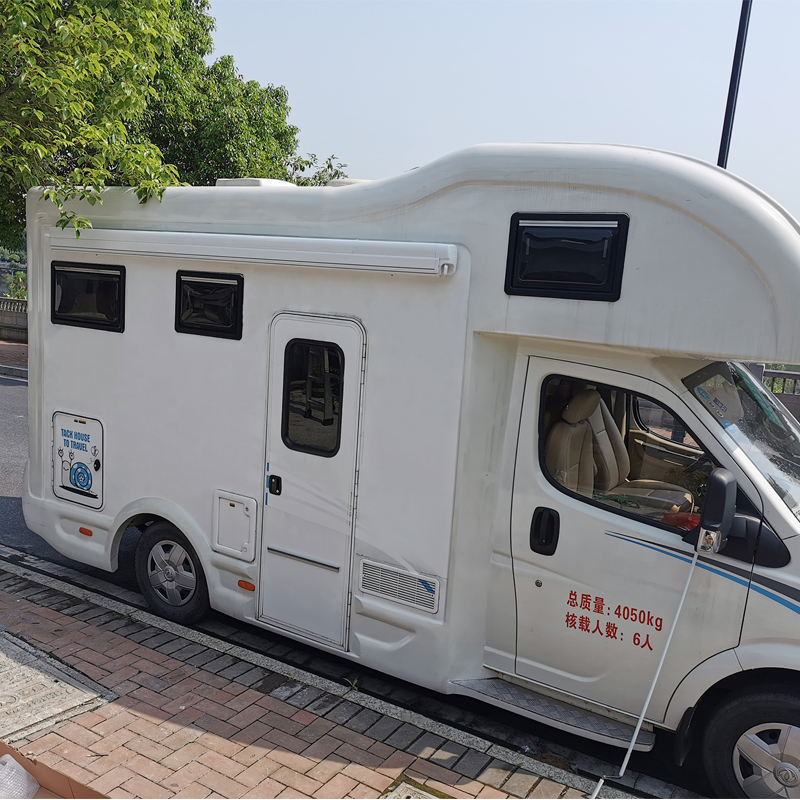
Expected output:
(599, 575)
(313, 408)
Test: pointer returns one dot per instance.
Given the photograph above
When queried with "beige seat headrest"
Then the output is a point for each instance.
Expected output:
(582, 406)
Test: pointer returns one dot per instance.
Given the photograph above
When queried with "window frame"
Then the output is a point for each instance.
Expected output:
(314, 451)
(609, 292)
(590, 500)
(226, 278)
(113, 270)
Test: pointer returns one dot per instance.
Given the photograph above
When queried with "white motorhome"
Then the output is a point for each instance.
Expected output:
(456, 425)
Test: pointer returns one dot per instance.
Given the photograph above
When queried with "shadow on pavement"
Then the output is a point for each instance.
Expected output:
(14, 533)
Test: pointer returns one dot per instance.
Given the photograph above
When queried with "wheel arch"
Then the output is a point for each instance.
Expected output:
(726, 673)
(154, 509)
(761, 678)
(734, 715)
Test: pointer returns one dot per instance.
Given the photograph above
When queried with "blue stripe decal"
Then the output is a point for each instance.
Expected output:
(776, 597)
(755, 587)
(427, 586)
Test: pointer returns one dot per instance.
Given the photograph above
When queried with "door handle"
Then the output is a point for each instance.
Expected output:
(544, 531)
(275, 484)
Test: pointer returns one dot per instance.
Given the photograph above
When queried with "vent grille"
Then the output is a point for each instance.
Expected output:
(403, 587)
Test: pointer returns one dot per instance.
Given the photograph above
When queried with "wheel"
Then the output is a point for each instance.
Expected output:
(751, 744)
(169, 574)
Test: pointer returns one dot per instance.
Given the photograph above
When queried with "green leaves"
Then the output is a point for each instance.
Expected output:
(99, 92)
(71, 76)
(17, 286)
(211, 123)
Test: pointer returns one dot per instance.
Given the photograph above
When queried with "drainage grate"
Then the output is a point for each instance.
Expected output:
(404, 587)
(407, 791)
(35, 690)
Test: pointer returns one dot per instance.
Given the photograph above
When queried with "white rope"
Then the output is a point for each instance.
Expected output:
(652, 687)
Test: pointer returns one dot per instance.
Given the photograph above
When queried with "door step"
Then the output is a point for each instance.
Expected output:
(558, 714)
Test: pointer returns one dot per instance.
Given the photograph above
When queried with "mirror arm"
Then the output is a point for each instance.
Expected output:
(690, 537)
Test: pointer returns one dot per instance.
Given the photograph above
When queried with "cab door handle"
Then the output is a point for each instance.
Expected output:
(544, 531)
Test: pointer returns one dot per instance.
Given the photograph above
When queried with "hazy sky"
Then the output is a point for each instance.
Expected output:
(388, 85)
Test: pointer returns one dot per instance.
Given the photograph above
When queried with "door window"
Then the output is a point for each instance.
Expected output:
(656, 420)
(591, 446)
(312, 397)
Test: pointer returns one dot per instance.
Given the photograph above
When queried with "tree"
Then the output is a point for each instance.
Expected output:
(72, 73)
(17, 286)
(220, 126)
(98, 92)
(211, 123)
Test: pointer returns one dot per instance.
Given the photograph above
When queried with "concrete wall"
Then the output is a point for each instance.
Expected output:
(13, 320)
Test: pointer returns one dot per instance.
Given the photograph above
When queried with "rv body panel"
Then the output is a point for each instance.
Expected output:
(439, 523)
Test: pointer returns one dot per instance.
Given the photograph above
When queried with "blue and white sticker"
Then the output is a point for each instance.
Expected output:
(78, 459)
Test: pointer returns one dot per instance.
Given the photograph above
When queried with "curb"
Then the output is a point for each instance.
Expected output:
(13, 372)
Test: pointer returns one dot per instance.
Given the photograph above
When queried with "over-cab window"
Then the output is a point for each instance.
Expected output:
(574, 256)
(312, 397)
(209, 304)
(593, 445)
(88, 295)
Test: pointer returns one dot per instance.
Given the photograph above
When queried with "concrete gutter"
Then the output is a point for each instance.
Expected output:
(13, 372)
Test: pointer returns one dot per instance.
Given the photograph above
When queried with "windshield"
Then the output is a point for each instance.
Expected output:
(756, 421)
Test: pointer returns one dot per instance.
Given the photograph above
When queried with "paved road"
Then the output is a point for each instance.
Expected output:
(554, 746)
(13, 435)
(14, 442)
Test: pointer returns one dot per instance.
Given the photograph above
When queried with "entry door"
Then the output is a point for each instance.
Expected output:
(598, 581)
(315, 377)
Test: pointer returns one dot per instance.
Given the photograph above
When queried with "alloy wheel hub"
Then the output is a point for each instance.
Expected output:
(766, 760)
(172, 573)
(787, 774)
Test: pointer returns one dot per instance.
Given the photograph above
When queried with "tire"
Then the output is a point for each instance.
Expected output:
(751, 744)
(170, 575)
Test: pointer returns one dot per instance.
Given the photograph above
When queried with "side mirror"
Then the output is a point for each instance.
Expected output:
(718, 511)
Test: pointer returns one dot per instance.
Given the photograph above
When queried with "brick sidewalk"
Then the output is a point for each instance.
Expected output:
(191, 721)
(14, 354)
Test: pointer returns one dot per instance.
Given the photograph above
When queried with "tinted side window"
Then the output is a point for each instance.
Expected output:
(88, 295)
(312, 397)
(209, 304)
(571, 256)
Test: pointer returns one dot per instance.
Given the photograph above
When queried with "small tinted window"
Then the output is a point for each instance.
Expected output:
(312, 396)
(88, 295)
(574, 256)
(209, 304)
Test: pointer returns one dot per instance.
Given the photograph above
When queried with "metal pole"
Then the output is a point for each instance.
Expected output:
(733, 89)
(639, 721)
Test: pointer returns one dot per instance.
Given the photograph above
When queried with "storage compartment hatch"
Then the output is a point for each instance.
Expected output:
(234, 525)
